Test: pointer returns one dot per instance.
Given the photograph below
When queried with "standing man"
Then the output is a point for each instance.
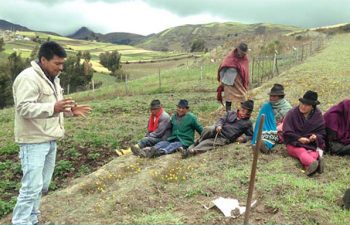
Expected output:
(233, 75)
(39, 108)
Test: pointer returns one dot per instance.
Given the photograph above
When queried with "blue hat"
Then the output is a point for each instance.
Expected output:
(183, 103)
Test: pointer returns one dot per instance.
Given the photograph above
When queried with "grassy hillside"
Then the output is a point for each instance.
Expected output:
(129, 53)
(214, 34)
(171, 190)
(331, 30)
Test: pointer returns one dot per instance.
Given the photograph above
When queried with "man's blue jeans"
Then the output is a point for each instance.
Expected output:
(166, 147)
(38, 163)
(148, 142)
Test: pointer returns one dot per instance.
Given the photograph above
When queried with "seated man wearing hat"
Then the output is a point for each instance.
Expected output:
(158, 128)
(274, 110)
(183, 124)
(304, 133)
(227, 129)
(337, 120)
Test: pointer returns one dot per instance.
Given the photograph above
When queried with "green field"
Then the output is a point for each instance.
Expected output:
(129, 53)
(171, 190)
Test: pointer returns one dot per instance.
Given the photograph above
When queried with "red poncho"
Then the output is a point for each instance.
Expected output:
(240, 64)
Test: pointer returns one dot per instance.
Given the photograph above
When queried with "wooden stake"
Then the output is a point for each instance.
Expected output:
(253, 171)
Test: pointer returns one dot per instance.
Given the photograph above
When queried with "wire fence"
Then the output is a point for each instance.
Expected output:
(263, 68)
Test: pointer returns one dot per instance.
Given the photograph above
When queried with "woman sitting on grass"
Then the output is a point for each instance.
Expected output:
(274, 110)
(304, 133)
(337, 120)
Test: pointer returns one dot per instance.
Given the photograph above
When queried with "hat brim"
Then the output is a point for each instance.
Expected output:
(276, 93)
(308, 102)
(245, 107)
(182, 106)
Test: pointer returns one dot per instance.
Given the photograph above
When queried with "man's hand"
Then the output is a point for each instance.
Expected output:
(241, 139)
(218, 129)
(304, 140)
(64, 105)
(81, 110)
(313, 138)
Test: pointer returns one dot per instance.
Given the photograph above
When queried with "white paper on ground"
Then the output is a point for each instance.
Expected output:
(227, 205)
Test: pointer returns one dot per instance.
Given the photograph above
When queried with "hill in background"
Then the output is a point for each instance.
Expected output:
(5, 25)
(180, 38)
(213, 34)
(123, 38)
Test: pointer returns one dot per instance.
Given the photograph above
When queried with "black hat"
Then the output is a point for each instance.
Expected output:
(249, 104)
(243, 47)
(277, 89)
(310, 98)
(183, 103)
(155, 104)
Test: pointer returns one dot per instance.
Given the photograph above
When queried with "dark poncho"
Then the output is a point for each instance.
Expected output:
(295, 126)
(337, 119)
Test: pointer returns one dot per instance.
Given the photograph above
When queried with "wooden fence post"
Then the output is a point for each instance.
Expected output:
(302, 53)
(311, 48)
(126, 84)
(201, 72)
(252, 72)
(160, 81)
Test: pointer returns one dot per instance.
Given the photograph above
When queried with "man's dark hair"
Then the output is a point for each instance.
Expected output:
(49, 49)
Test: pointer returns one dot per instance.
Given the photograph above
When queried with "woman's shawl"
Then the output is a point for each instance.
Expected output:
(295, 126)
(337, 118)
(269, 130)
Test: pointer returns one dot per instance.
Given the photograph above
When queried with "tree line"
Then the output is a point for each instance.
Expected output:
(76, 75)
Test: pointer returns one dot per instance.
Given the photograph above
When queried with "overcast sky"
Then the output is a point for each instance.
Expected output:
(152, 16)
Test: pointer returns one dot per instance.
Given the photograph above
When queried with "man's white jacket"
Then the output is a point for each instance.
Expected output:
(34, 97)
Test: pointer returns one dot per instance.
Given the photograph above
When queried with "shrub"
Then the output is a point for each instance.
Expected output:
(63, 167)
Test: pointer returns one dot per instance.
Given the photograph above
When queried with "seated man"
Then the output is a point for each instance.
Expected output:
(274, 110)
(158, 128)
(304, 133)
(227, 129)
(183, 123)
(337, 120)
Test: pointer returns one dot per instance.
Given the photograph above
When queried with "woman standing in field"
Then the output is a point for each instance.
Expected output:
(233, 75)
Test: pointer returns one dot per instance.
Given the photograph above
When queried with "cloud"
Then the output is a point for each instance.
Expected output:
(149, 16)
(61, 18)
(305, 13)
